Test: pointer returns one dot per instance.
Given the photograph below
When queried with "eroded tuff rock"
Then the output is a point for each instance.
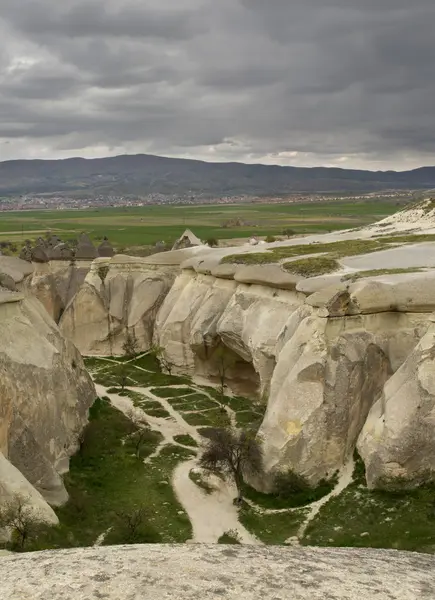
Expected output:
(55, 283)
(328, 375)
(202, 313)
(200, 572)
(325, 357)
(397, 442)
(319, 350)
(119, 296)
(45, 393)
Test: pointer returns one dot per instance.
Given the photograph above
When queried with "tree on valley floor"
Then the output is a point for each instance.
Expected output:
(133, 526)
(288, 232)
(233, 452)
(122, 376)
(159, 353)
(131, 345)
(18, 517)
(225, 360)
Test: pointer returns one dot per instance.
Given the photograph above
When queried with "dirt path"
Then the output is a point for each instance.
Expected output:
(211, 514)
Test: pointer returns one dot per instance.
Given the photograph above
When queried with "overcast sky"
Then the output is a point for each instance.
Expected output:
(293, 82)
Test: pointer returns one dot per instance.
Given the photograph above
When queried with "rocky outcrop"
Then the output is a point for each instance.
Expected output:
(119, 296)
(189, 572)
(319, 359)
(45, 393)
(397, 442)
(55, 283)
(326, 353)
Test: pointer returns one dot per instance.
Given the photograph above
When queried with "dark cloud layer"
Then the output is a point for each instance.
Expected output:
(304, 82)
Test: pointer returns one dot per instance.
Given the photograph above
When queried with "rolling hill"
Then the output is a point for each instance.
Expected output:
(144, 174)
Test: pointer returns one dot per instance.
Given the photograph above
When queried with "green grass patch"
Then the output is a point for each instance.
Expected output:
(248, 419)
(186, 440)
(214, 417)
(239, 403)
(200, 404)
(165, 392)
(335, 250)
(107, 479)
(311, 267)
(359, 517)
(271, 528)
(298, 497)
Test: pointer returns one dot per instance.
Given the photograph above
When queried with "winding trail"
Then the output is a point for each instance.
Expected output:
(211, 514)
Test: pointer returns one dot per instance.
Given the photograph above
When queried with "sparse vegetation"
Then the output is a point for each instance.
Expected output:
(270, 239)
(233, 452)
(131, 345)
(229, 537)
(18, 517)
(102, 272)
(377, 272)
(333, 250)
(186, 440)
(311, 267)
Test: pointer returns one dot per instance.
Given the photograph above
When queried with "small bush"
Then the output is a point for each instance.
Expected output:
(290, 483)
(229, 537)
(212, 242)
(102, 272)
(270, 239)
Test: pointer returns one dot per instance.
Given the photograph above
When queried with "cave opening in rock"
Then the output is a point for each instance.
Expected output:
(229, 369)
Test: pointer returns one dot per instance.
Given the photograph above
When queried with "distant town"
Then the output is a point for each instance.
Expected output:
(61, 201)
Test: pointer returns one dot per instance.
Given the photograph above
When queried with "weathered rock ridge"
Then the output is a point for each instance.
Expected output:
(341, 360)
(45, 393)
(194, 572)
(120, 296)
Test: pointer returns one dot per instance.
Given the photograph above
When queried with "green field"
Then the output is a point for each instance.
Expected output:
(142, 226)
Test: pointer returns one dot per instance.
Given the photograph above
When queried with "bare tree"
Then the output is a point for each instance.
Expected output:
(17, 516)
(122, 376)
(233, 452)
(132, 521)
(225, 361)
(159, 353)
(131, 344)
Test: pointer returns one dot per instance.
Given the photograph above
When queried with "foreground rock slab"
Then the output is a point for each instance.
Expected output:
(200, 572)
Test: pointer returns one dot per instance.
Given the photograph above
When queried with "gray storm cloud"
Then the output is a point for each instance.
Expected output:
(337, 82)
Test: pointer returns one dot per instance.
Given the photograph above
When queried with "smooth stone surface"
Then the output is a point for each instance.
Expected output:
(199, 572)
(267, 275)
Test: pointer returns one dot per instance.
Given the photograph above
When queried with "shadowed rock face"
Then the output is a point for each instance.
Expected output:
(200, 572)
(45, 394)
(119, 296)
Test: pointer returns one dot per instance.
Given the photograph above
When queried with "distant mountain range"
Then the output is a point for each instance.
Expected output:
(143, 174)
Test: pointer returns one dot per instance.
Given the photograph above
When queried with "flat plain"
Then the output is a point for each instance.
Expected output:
(128, 227)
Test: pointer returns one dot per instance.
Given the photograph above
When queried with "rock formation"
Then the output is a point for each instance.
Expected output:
(58, 270)
(45, 393)
(334, 356)
(85, 248)
(188, 572)
(119, 296)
